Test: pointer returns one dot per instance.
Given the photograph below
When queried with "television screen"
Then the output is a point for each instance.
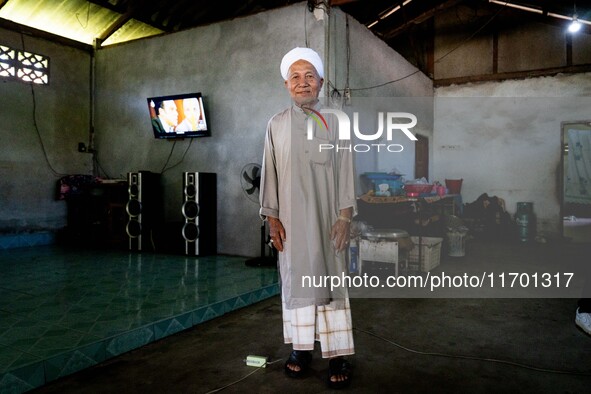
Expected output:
(178, 116)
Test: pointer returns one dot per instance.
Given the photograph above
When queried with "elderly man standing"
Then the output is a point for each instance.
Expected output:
(308, 198)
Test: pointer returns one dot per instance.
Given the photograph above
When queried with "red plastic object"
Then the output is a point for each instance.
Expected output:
(418, 188)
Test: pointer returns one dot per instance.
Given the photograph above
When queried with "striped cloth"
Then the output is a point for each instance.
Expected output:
(331, 327)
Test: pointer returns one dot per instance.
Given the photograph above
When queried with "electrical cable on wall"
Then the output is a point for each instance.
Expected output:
(306, 28)
(386, 83)
(85, 25)
(318, 5)
(168, 158)
(311, 7)
(438, 59)
(98, 165)
(473, 34)
(164, 168)
(335, 94)
(56, 173)
(347, 90)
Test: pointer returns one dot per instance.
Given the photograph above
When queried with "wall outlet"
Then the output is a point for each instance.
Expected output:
(347, 96)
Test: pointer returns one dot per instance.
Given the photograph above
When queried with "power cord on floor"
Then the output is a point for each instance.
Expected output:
(242, 378)
(434, 354)
(492, 360)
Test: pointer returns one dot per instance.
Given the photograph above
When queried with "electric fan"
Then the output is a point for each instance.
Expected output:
(250, 180)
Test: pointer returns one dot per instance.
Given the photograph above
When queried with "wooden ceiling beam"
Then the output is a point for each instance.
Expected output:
(341, 2)
(113, 27)
(582, 68)
(129, 14)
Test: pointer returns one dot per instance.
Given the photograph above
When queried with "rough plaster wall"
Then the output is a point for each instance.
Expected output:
(504, 139)
(27, 185)
(235, 65)
(372, 63)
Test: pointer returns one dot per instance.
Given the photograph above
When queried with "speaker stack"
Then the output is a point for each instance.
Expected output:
(144, 208)
(199, 210)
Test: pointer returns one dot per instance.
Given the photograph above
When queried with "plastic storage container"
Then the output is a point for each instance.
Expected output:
(380, 179)
(430, 252)
(454, 186)
(457, 243)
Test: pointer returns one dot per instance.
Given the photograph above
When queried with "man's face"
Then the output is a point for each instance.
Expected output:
(303, 83)
(191, 108)
(169, 113)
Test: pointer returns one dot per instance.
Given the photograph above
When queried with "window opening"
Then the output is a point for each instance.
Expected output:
(24, 66)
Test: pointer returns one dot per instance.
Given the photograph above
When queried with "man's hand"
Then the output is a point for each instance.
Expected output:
(341, 230)
(276, 232)
(340, 234)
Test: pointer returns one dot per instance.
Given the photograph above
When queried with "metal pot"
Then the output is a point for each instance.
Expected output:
(386, 234)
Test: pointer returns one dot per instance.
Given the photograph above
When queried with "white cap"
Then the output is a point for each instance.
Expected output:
(306, 54)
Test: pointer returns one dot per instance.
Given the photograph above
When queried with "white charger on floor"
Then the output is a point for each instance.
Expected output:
(256, 361)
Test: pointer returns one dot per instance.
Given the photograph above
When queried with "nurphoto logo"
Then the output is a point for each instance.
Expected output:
(391, 120)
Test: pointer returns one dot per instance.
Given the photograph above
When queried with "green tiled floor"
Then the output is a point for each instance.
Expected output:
(62, 310)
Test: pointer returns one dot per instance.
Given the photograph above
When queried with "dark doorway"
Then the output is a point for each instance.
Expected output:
(421, 157)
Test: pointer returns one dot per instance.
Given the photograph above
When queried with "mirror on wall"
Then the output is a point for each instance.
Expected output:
(576, 181)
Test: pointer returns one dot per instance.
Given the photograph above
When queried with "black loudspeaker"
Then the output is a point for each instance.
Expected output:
(144, 209)
(200, 213)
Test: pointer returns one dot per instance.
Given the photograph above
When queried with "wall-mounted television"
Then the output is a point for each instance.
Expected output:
(178, 116)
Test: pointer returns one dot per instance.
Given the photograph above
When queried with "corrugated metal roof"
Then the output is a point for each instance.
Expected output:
(78, 20)
(106, 22)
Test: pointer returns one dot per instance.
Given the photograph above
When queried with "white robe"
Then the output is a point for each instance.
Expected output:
(306, 188)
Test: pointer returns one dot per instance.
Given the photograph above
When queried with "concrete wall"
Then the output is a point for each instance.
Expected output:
(373, 63)
(504, 139)
(61, 112)
(235, 64)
